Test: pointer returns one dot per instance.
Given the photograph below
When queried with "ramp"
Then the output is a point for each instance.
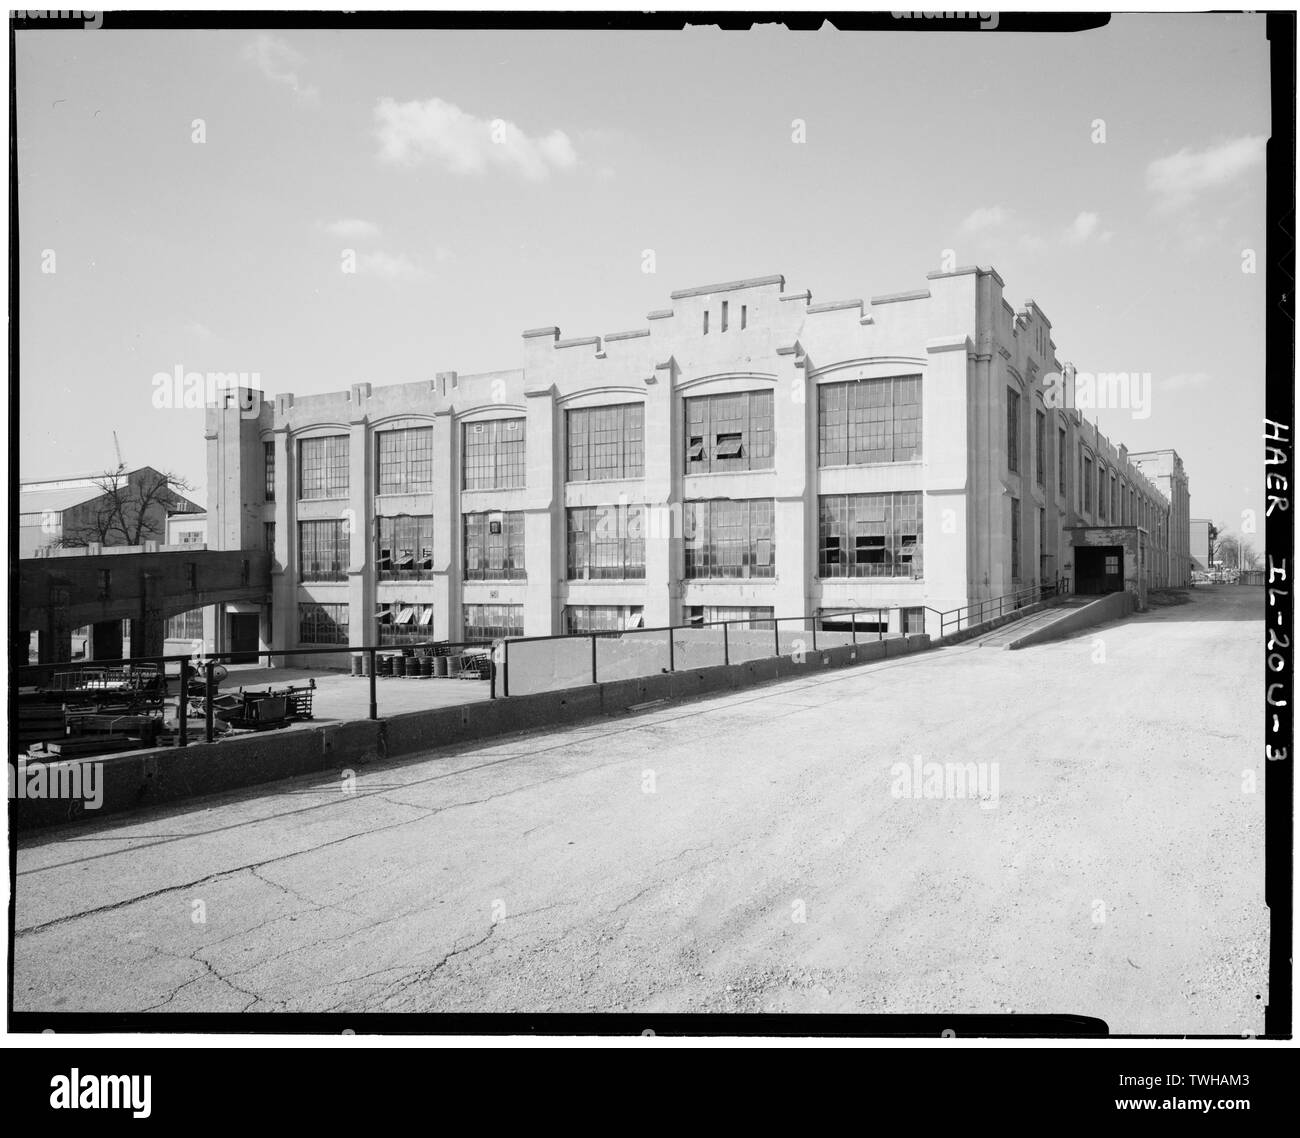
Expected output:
(1068, 615)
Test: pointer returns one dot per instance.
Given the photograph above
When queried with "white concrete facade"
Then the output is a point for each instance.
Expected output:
(974, 355)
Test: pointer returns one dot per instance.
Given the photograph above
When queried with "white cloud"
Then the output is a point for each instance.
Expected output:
(986, 217)
(280, 64)
(389, 266)
(440, 132)
(1081, 228)
(352, 228)
(1177, 179)
(1084, 228)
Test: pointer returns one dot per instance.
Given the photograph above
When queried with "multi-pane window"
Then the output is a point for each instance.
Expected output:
(603, 618)
(1113, 516)
(405, 460)
(870, 535)
(1040, 442)
(726, 538)
(268, 537)
(323, 550)
(913, 621)
(1013, 429)
(729, 432)
(749, 617)
(1085, 484)
(323, 467)
(1101, 493)
(185, 625)
(606, 442)
(1060, 462)
(268, 461)
(494, 546)
(1015, 539)
(322, 624)
(404, 547)
(606, 542)
(493, 454)
(869, 420)
(490, 622)
(404, 622)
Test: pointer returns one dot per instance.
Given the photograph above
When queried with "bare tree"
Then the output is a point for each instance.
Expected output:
(131, 511)
(1237, 553)
(1214, 551)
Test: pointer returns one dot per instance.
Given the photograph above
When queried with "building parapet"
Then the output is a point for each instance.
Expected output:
(836, 306)
(896, 297)
(729, 286)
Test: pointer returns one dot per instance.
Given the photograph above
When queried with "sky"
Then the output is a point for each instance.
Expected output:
(202, 193)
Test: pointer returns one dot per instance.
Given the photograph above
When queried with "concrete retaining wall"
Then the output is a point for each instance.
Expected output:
(556, 665)
(1113, 606)
(168, 774)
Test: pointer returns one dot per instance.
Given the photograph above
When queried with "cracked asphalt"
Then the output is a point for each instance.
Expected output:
(740, 853)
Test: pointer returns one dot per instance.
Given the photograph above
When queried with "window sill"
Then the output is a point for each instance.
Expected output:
(892, 580)
(870, 465)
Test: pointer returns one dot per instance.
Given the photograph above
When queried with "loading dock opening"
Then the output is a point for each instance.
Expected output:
(1098, 569)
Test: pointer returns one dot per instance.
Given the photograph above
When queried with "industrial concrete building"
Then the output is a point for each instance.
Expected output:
(746, 453)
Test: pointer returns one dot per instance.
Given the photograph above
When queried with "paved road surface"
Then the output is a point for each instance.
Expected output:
(741, 853)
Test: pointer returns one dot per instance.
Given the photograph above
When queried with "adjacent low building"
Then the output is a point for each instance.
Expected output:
(746, 453)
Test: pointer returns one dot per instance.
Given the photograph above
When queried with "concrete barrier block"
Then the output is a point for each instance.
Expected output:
(760, 671)
(619, 695)
(659, 686)
(842, 657)
(872, 650)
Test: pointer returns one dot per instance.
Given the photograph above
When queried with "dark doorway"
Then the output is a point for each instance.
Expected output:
(243, 638)
(1098, 569)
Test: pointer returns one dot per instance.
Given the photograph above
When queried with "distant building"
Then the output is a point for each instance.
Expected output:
(1200, 544)
(746, 454)
(186, 631)
(82, 510)
(1165, 470)
(188, 528)
(59, 515)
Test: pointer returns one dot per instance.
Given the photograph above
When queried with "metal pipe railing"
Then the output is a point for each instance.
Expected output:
(41, 674)
(949, 621)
